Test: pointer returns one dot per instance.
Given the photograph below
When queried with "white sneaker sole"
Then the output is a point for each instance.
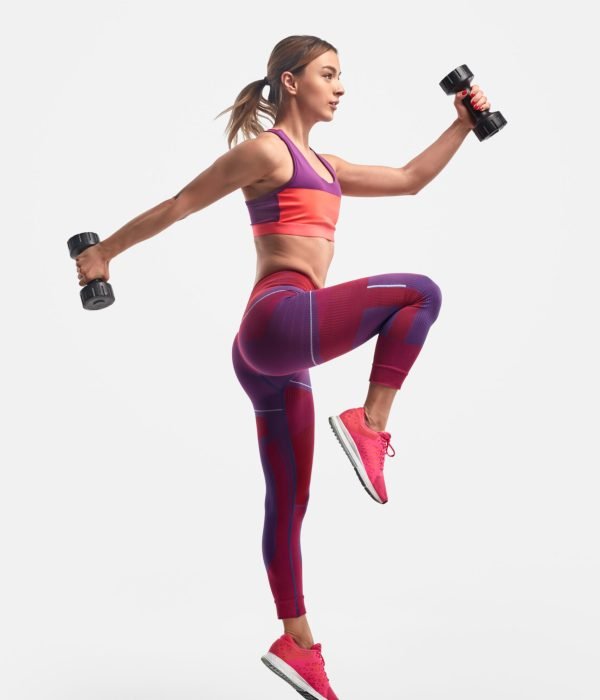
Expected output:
(350, 448)
(289, 674)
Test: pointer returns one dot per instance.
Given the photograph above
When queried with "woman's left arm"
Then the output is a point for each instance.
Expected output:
(427, 165)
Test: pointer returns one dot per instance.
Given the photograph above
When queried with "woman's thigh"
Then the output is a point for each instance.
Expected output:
(286, 330)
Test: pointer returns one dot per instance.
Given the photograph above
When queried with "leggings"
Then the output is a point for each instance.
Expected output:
(288, 326)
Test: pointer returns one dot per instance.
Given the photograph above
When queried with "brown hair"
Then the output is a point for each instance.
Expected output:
(291, 54)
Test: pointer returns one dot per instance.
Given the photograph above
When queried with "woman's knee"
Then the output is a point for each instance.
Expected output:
(434, 296)
(429, 291)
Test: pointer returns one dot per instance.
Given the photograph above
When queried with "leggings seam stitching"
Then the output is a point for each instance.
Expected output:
(263, 297)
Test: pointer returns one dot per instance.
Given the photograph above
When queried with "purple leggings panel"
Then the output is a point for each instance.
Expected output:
(288, 326)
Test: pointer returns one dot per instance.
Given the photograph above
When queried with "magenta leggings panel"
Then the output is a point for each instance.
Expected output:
(287, 327)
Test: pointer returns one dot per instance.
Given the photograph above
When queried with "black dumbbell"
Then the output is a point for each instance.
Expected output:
(486, 123)
(98, 293)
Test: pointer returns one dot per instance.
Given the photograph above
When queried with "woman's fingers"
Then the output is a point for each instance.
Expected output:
(96, 267)
(478, 99)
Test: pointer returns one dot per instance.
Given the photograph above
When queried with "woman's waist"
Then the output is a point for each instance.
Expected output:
(312, 261)
(285, 278)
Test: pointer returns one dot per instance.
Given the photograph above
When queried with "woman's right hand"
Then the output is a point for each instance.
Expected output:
(92, 264)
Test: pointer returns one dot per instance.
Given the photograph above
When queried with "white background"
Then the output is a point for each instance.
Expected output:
(132, 495)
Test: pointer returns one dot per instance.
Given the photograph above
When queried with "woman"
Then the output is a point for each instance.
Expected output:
(292, 321)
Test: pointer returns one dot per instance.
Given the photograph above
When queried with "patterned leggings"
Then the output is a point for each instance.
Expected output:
(288, 326)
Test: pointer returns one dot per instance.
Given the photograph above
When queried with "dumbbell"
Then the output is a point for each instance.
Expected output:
(98, 293)
(486, 123)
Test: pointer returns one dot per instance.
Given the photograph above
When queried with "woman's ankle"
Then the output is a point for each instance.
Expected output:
(304, 642)
(298, 629)
(374, 422)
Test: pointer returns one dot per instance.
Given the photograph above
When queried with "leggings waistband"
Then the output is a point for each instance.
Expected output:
(292, 278)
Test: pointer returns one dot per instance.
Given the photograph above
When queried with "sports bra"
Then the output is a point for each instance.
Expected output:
(306, 205)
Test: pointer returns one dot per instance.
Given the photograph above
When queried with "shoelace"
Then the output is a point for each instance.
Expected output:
(385, 444)
(318, 650)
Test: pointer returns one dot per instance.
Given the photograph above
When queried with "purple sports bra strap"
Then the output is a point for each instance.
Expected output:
(285, 137)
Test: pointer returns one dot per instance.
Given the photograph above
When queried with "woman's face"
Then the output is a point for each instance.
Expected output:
(320, 85)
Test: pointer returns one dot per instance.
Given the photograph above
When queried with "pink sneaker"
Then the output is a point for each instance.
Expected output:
(302, 668)
(366, 449)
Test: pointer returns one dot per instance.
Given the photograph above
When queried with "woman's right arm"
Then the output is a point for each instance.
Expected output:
(240, 166)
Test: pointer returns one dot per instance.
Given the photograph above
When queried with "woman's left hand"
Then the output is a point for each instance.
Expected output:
(478, 100)
(92, 264)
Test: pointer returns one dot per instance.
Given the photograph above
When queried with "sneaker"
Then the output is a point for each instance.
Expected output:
(304, 669)
(366, 448)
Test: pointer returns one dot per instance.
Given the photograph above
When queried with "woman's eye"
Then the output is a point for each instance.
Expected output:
(329, 75)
